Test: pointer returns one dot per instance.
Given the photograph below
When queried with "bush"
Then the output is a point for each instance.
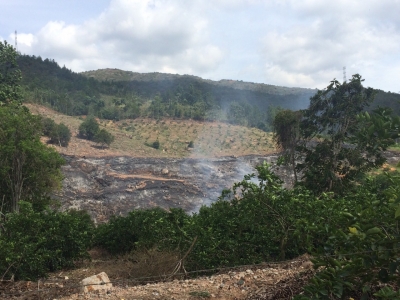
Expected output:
(156, 145)
(48, 126)
(89, 128)
(103, 137)
(143, 229)
(60, 135)
(361, 253)
(110, 113)
(35, 243)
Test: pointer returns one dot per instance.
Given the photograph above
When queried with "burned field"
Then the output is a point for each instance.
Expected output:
(116, 185)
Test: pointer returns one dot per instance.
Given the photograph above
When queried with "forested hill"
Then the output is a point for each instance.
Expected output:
(174, 79)
(115, 94)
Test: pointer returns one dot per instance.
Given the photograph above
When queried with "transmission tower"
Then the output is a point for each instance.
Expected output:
(344, 75)
(16, 45)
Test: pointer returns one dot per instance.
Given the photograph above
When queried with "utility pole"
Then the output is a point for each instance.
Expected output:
(16, 45)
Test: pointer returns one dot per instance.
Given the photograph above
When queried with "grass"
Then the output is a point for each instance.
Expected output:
(134, 137)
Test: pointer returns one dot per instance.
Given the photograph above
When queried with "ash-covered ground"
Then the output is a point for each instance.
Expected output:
(116, 185)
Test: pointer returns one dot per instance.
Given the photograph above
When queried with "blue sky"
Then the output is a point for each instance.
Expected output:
(302, 43)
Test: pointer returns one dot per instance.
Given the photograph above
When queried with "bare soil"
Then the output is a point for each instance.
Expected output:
(264, 281)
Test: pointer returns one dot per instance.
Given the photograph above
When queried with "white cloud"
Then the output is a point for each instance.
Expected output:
(26, 39)
(326, 38)
(141, 35)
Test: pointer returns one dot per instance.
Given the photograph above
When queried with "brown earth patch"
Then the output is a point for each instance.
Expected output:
(265, 281)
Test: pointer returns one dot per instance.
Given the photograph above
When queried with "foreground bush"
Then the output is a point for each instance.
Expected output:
(360, 257)
(35, 243)
(259, 220)
(147, 228)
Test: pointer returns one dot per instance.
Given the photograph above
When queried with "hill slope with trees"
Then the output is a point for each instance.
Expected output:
(115, 95)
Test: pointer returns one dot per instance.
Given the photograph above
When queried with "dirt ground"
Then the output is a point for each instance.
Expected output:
(264, 281)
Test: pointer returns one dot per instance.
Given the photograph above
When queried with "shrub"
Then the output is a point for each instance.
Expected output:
(60, 135)
(103, 137)
(89, 128)
(143, 229)
(48, 126)
(156, 145)
(361, 253)
(35, 243)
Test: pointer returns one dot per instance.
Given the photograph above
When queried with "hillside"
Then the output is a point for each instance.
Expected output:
(134, 137)
(120, 75)
(116, 95)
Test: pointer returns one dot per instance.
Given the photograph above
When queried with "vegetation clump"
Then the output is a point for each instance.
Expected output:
(103, 137)
(156, 144)
(34, 243)
(58, 133)
(90, 130)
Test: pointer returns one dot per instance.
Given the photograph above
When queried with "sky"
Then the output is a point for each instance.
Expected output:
(295, 43)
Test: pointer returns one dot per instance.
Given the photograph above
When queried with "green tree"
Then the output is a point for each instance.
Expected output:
(333, 151)
(48, 126)
(103, 137)
(29, 170)
(60, 135)
(89, 128)
(10, 75)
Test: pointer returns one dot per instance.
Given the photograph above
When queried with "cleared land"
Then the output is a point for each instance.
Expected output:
(135, 137)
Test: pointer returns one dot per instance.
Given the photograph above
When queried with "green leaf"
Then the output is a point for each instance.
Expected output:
(374, 230)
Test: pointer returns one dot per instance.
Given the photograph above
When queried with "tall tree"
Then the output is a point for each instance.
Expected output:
(29, 170)
(334, 153)
(10, 75)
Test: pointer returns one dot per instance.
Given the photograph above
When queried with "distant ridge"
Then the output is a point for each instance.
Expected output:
(114, 94)
(110, 74)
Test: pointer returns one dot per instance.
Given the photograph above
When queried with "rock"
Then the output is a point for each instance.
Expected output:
(307, 265)
(99, 282)
(164, 171)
